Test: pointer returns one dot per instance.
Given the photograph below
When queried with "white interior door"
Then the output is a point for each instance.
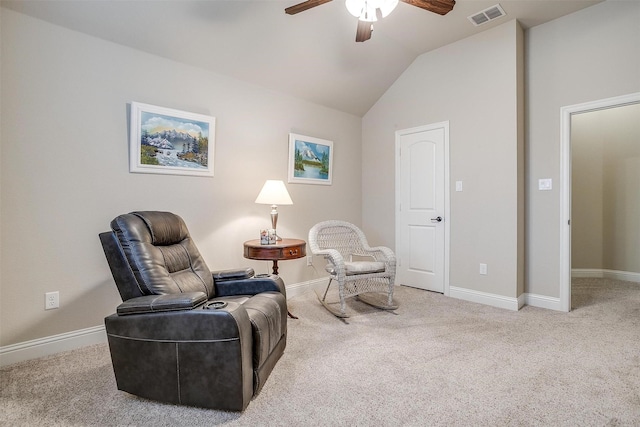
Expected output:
(421, 208)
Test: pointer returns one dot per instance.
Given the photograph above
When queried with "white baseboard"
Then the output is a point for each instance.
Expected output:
(53, 344)
(542, 301)
(508, 303)
(553, 303)
(599, 273)
(302, 287)
(587, 273)
(493, 300)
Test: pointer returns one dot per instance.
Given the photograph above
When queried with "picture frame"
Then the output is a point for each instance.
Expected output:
(310, 160)
(168, 141)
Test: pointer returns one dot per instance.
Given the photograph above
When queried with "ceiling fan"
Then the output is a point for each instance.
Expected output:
(369, 11)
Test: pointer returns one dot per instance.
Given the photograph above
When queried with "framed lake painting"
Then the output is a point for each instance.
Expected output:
(310, 160)
(167, 141)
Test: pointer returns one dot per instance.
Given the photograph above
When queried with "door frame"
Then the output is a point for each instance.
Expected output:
(447, 216)
(565, 183)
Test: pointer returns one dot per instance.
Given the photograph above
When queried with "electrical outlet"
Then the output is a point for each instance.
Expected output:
(309, 260)
(51, 300)
(483, 269)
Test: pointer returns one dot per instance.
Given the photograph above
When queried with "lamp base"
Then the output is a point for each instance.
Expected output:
(274, 220)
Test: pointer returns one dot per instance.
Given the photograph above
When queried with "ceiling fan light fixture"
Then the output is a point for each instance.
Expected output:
(365, 10)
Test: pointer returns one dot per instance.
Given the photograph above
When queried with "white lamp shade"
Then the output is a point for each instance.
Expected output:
(274, 193)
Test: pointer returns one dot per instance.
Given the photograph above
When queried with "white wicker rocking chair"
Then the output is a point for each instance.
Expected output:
(372, 280)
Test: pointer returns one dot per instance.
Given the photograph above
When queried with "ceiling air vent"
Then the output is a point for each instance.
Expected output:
(489, 14)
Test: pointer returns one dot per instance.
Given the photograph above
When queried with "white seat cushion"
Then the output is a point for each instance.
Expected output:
(358, 267)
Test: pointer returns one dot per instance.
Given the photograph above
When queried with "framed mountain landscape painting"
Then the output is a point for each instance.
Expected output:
(310, 160)
(167, 141)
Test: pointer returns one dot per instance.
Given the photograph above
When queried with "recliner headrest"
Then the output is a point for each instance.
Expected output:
(166, 228)
(160, 254)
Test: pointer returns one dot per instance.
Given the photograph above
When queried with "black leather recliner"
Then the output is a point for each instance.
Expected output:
(183, 334)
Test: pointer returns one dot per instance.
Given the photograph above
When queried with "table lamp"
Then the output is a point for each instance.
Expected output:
(274, 193)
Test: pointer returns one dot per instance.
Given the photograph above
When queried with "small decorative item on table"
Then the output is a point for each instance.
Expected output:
(264, 237)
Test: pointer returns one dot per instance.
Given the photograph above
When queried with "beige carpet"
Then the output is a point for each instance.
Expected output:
(438, 361)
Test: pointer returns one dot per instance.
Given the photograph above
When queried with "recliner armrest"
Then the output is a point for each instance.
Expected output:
(251, 286)
(157, 303)
(235, 274)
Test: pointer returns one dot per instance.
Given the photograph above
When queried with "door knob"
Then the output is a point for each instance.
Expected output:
(436, 219)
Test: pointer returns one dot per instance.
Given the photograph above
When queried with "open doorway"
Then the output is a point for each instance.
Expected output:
(604, 177)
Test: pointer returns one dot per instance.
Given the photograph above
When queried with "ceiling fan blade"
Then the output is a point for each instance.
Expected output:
(301, 7)
(441, 7)
(364, 30)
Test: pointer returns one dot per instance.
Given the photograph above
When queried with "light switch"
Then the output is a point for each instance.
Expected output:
(545, 184)
(458, 185)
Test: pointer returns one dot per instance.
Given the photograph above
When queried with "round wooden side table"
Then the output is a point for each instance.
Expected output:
(283, 250)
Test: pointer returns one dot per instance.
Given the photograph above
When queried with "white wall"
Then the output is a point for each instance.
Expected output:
(473, 83)
(586, 56)
(65, 171)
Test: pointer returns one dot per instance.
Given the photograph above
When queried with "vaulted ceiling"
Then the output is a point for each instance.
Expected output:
(312, 55)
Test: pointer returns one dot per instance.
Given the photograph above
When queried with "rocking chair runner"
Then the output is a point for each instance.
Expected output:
(340, 242)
